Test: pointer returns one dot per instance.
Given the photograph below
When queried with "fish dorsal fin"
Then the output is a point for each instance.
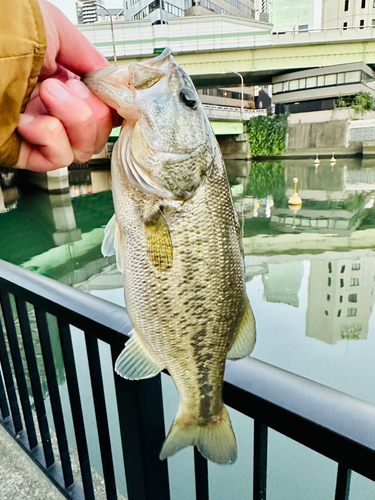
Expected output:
(112, 243)
(245, 339)
(135, 361)
(158, 239)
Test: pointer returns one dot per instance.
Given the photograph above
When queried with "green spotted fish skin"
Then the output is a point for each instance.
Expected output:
(176, 237)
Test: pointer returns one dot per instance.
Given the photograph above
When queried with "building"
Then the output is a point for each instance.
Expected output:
(317, 89)
(348, 13)
(295, 15)
(159, 11)
(87, 11)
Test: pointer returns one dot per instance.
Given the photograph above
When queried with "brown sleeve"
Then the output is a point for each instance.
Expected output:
(23, 44)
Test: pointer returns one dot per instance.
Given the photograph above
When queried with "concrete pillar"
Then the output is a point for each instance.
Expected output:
(55, 181)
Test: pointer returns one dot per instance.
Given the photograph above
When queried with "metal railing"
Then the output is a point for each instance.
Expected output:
(335, 425)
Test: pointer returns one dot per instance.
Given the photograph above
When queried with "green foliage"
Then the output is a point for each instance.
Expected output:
(267, 134)
(363, 101)
(266, 178)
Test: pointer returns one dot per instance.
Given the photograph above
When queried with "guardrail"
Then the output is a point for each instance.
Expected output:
(333, 424)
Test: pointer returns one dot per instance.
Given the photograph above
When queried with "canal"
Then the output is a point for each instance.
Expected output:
(309, 276)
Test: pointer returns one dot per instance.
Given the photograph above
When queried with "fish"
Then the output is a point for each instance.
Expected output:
(176, 237)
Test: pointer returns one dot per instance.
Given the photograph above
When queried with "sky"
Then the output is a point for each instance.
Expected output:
(68, 7)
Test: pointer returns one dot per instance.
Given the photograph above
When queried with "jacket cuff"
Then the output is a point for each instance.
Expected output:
(22, 51)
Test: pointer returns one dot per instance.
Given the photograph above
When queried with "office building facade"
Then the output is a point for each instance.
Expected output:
(347, 14)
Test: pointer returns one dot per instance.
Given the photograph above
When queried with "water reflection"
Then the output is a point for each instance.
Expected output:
(8, 190)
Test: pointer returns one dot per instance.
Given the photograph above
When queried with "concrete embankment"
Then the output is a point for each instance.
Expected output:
(340, 131)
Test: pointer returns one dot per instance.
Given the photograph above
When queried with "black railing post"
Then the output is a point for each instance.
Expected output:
(201, 476)
(343, 482)
(9, 383)
(34, 375)
(101, 415)
(54, 394)
(76, 405)
(18, 369)
(260, 460)
(141, 420)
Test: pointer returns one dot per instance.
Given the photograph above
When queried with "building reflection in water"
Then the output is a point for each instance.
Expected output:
(340, 297)
(336, 201)
(8, 190)
(87, 181)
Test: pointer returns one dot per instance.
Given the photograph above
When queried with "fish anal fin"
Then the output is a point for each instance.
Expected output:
(113, 243)
(135, 361)
(158, 239)
(215, 441)
(244, 341)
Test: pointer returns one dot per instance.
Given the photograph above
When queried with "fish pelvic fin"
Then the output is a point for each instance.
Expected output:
(135, 361)
(113, 243)
(244, 341)
(215, 441)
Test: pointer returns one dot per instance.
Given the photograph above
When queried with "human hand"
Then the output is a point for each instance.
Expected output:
(63, 121)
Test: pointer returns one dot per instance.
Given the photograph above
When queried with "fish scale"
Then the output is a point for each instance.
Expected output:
(178, 246)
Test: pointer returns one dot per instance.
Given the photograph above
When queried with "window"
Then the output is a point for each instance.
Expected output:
(354, 281)
(339, 313)
(356, 267)
(329, 281)
(373, 22)
(285, 86)
(320, 81)
(341, 297)
(293, 85)
(302, 82)
(363, 4)
(311, 82)
(331, 79)
(326, 313)
(341, 283)
(361, 24)
(346, 6)
(341, 78)
(345, 26)
(352, 311)
(328, 297)
(352, 297)
(342, 269)
(329, 267)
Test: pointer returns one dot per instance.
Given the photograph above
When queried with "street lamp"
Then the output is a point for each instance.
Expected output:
(235, 72)
(80, 3)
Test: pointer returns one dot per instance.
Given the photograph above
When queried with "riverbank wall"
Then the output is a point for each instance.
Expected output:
(343, 132)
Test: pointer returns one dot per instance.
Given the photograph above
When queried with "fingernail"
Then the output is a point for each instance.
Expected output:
(79, 89)
(25, 119)
(57, 89)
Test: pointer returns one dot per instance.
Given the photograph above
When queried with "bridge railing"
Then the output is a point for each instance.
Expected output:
(41, 318)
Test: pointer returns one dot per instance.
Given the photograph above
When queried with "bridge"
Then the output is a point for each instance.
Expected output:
(207, 45)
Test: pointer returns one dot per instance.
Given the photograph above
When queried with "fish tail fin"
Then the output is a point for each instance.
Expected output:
(215, 441)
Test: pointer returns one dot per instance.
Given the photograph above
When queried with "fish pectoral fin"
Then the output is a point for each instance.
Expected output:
(112, 243)
(158, 239)
(245, 339)
(135, 361)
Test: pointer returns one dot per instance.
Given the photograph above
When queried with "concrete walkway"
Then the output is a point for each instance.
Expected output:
(20, 478)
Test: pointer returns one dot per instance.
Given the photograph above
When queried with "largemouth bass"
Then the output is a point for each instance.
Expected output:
(176, 237)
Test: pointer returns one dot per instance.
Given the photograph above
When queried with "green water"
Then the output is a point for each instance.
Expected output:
(309, 276)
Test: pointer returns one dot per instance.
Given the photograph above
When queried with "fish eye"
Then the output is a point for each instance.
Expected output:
(188, 98)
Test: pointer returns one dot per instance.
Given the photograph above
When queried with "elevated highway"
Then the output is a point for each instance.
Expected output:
(207, 45)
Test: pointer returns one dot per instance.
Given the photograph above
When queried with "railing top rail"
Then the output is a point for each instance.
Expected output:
(80, 309)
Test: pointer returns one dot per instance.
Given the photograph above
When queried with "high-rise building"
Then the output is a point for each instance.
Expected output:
(295, 15)
(158, 11)
(87, 11)
(348, 13)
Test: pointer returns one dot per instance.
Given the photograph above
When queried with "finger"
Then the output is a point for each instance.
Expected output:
(74, 113)
(102, 113)
(45, 146)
